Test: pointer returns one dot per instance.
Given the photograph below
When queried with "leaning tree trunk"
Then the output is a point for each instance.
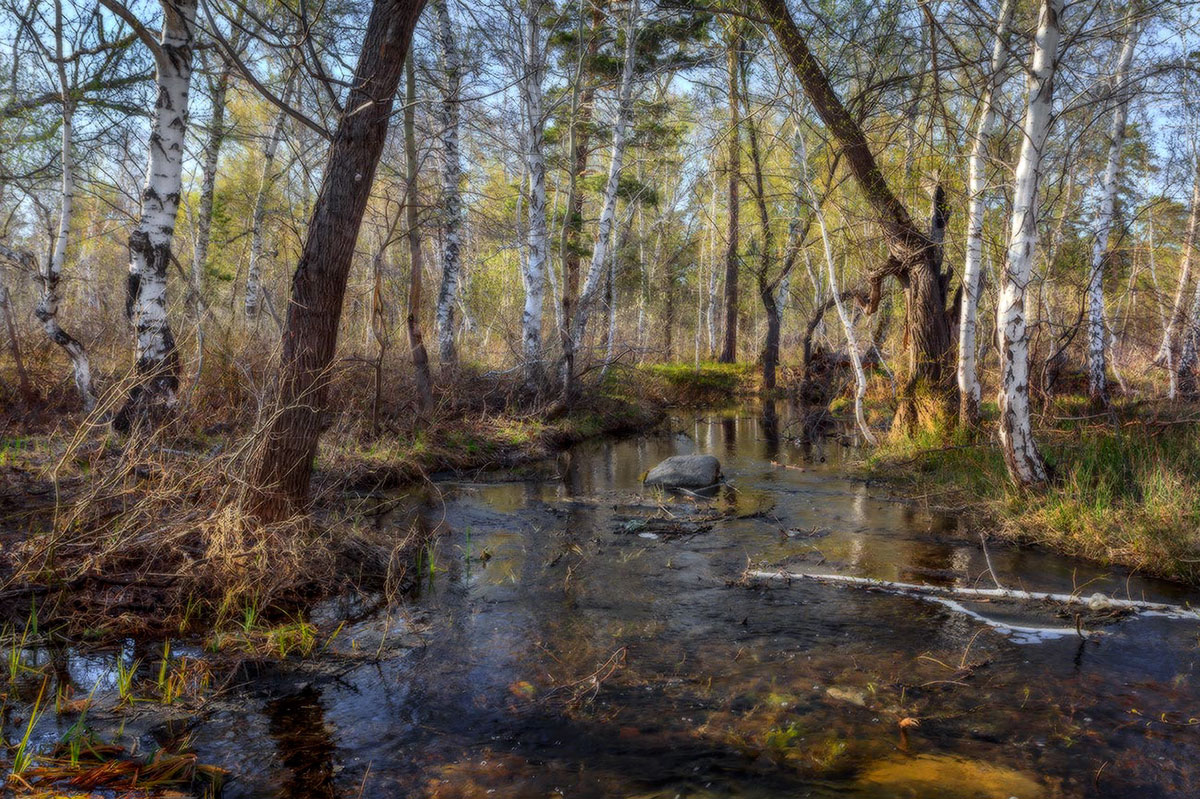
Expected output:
(416, 339)
(282, 467)
(1025, 465)
(1168, 349)
(1097, 377)
(156, 378)
(604, 229)
(915, 257)
(729, 348)
(968, 369)
(253, 300)
(452, 214)
(533, 276)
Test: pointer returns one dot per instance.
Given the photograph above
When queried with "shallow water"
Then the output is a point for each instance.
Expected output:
(563, 645)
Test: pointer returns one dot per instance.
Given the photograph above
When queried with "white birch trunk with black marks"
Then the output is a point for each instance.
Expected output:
(1025, 464)
(157, 364)
(451, 211)
(1097, 377)
(968, 369)
(604, 231)
(533, 275)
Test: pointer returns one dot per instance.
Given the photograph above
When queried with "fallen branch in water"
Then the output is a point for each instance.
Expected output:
(1095, 602)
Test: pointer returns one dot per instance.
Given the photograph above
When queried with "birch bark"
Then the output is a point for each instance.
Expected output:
(1024, 461)
(448, 121)
(1097, 378)
(157, 364)
(968, 370)
(533, 276)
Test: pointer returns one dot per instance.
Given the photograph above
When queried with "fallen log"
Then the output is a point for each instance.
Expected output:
(947, 596)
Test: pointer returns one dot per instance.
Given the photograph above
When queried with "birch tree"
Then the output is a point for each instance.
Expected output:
(1168, 350)
(1097, 378)
(156, 377)
(1021, 455)
(253, 300)
(51, 274)
(416, 267)
(533, 275)
(605, 227)
(968, 371)
(451, 211)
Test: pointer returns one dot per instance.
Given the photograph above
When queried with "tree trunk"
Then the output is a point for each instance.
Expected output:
(1025, 465)
(208, 183)
(1097, 378)
(254, 290)
(14, 346)
(972, 279)
(47, 309)
(729, 348)
(915, 258)
(579, 136)
(416, 339)
(282, 468)
(452, 214)
(157, 366)
(1177, 321)
(604, 229)
(533, 276)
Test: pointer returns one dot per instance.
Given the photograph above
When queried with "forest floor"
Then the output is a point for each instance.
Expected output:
(1123, 490)
(114, 536)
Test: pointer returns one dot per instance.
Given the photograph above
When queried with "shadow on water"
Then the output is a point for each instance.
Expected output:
(580, 636)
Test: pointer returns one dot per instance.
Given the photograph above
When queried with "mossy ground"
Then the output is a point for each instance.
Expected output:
(1124, 488)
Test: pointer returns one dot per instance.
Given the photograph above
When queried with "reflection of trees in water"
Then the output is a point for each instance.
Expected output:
(305, 745)
(729, 435)
(770, 429)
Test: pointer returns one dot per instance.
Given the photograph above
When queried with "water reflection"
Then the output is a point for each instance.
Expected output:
(563, 652)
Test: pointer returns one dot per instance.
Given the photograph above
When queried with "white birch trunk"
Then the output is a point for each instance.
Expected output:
(1097, 378)
(1025, 464)
(595, 273)
(1169, 345)
(448, 121)
(533, 276)
(254, 290)
(47, 309)
(968, 370)
(150, 243)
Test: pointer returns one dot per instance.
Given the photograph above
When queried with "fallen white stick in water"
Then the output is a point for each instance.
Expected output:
(1096, 602)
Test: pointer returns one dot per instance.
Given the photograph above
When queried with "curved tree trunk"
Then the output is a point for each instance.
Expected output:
(452, 214)
(157, 366)
(282, 468)
(1178, 321)
(1097, 377)
(972, 279)
(1024, 461)
(607, 223)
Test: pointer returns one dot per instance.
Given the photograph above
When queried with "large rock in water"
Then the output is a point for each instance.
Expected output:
(685, 471)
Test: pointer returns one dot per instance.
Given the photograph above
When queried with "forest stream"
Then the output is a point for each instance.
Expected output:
(577, 635)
